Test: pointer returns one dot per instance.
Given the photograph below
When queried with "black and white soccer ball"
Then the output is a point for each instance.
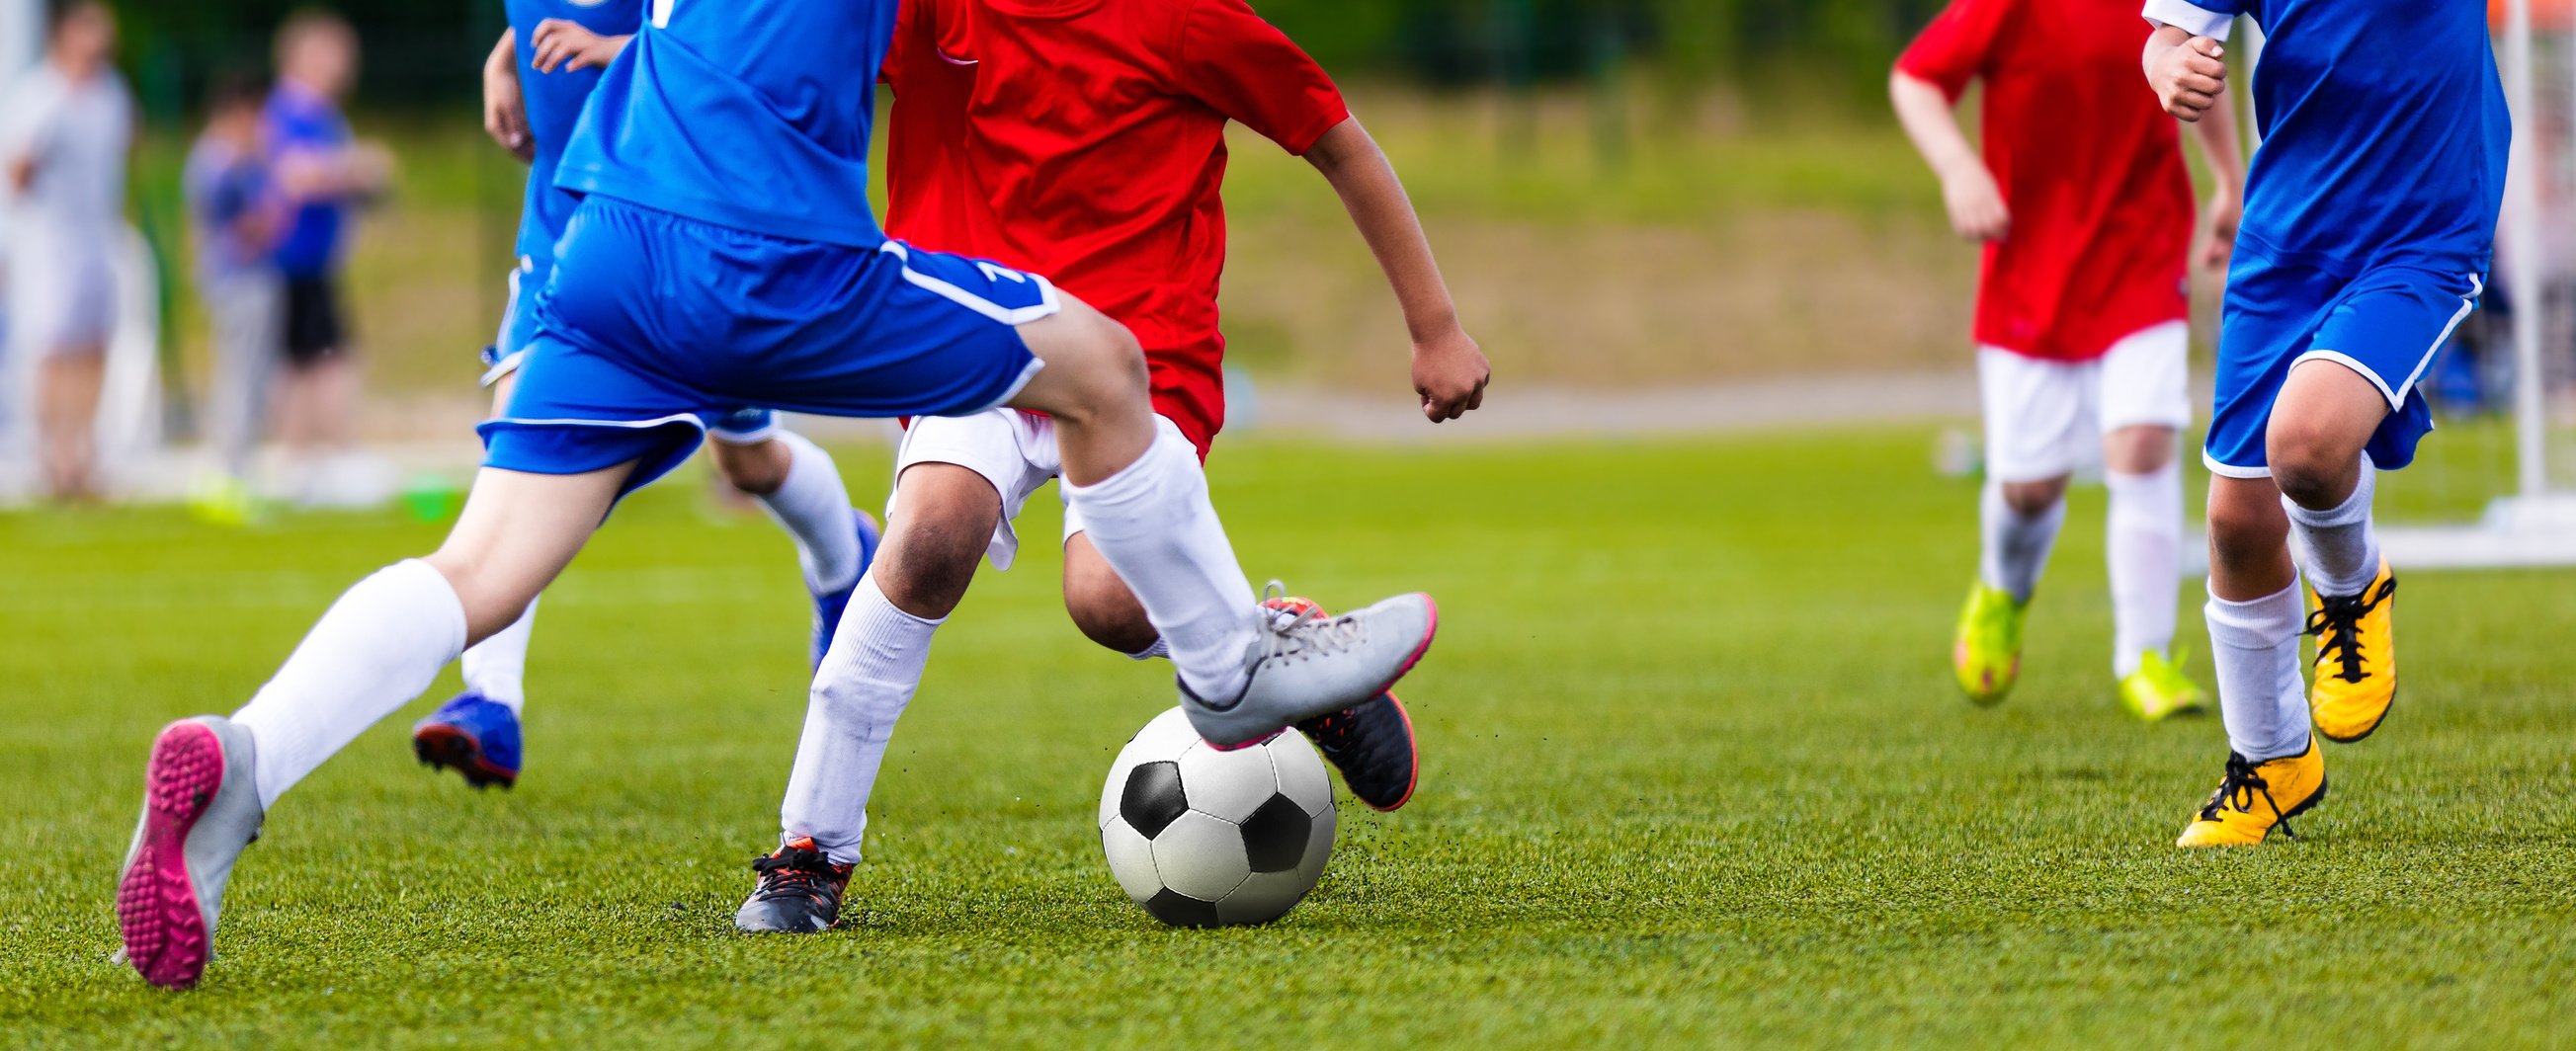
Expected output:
(1203, 838)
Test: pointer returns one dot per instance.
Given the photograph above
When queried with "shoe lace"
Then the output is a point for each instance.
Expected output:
(2337, 626)
(1306, 631)
(796, 870)
(2237, 791)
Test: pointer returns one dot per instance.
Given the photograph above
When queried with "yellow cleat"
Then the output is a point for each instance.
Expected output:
(2159, 690)
(2256, 797)
(2356, 666)
(1987, 655)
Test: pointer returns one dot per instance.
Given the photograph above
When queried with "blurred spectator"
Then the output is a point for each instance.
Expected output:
(64, 140)
(324, 175)
(235, 217)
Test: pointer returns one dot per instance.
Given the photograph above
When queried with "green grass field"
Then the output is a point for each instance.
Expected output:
(1695, 777)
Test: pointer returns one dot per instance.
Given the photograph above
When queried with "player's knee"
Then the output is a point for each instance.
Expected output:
(491, 600)
(1106, 367)
(2311, 466)
(2033, 499)
(758, 469)
(928, 562)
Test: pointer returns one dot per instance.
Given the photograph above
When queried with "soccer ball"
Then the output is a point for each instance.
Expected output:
(1203, 838)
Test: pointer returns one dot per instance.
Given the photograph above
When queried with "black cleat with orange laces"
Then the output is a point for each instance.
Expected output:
(799, 893)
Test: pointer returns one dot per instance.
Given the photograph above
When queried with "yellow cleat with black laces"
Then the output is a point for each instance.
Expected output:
(2356, 666)
(2256, 797)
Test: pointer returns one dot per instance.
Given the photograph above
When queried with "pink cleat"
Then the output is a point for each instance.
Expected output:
(200, 808)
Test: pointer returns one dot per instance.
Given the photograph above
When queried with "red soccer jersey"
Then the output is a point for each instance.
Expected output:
(2090, 167)
(1085, 140)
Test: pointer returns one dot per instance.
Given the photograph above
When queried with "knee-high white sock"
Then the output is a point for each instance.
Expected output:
(2337, 546)
(2016, 548)
(2145, 549)
(371, 653)
(866, 680)
(497, 667)
(2254, 650)
(1155, 526)
(814, 507)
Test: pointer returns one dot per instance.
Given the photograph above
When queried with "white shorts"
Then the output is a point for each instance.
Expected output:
(62, 297)
(1014, 450)
(2046, 419)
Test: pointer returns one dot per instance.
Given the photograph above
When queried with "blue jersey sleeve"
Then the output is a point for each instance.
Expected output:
(2209, 18)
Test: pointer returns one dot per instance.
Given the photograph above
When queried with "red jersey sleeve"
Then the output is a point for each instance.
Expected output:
(1247, 69)
(1957, 46)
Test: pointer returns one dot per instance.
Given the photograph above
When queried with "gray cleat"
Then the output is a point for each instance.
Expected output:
(1310, 665)
(200, 808)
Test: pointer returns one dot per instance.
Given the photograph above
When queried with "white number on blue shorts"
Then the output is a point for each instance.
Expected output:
(661, 14)
(995, 273)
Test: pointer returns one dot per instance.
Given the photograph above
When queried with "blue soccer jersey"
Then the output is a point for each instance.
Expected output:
(2384, 130)
(554, 102)
(749, 114)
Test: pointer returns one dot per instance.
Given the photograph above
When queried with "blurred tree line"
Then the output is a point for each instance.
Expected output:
(422, 53)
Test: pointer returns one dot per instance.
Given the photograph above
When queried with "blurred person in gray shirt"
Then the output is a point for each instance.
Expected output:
(65, 133)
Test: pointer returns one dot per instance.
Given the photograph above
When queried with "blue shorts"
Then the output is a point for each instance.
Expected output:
(2386, 324)
(668, 325)
(519, 332)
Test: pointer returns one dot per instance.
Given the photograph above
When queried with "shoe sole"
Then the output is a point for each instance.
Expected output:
(156, 899)
(2367, 730)
(1430, 630)
(2304, 806)
(441, 745)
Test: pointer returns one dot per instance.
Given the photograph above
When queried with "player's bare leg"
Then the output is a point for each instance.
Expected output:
(2144, 549)
(211, 780)
(1144, 503)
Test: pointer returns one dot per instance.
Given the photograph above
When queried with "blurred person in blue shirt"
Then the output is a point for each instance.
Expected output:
(235, 217)
(324, 175)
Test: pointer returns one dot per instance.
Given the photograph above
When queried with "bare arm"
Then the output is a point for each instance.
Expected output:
(1449, 370)
(505, 109)
(565, 45)
(2222, 150)
(1968, 190)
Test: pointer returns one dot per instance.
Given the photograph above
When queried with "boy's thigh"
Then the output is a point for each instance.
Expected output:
(2041, 416)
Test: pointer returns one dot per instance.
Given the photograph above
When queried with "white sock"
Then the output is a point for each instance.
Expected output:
(2016, 548)
(2145, 549)
(371, 653)
(814, 508)
(866, 680)
(2337, 547)
(1155, 526)
(1158, 649)
(2254, 650)
(497, 667)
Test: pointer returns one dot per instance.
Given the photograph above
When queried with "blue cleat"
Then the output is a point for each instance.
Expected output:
(477, 737)
(828, 607)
